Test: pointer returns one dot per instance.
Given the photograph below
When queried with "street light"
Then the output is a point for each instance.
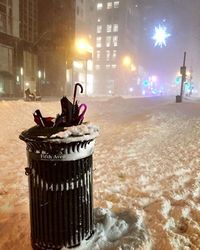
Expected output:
(133, 67)
(38, 86)
(22, 80)
(128, 71)
(82, 46)
(83, 52)
(126, 61)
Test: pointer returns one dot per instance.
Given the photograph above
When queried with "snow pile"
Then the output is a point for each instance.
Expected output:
(83, 132)
(116, 231)
(146, 162)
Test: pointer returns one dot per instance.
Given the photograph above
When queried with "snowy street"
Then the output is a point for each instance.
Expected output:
(146, 161)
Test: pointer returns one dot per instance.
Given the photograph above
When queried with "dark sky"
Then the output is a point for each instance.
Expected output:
(182, 19)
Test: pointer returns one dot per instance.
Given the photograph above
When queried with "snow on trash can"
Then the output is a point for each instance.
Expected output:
(60, 169)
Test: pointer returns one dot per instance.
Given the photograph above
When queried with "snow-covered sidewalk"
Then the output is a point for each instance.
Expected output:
(146, 161)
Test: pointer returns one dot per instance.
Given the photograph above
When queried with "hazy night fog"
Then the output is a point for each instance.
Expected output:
(181, 17)
(100, 124)
(111, 47)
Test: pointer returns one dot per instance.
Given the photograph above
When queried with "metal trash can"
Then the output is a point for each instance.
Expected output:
(178, 99)
(60, 191)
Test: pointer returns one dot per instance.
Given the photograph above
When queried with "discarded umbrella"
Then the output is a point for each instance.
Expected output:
(71, 113)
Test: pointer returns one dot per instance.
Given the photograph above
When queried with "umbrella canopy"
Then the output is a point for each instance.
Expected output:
(71, 113)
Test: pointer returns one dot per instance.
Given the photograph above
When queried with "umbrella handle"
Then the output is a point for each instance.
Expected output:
(84, 109)
(75, 90)
(81, 116)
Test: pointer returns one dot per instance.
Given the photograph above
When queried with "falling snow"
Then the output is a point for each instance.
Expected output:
(146, 163)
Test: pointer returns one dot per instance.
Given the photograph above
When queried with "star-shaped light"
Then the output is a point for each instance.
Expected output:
(160, 36)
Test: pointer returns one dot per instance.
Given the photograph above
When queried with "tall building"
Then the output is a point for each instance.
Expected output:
(55, 45)
(115, 53)
(84, 37)
(18, 32)
(9, 34)
(36, 40)
(27, 59)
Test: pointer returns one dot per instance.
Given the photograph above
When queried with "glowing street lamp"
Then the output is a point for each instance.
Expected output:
(83, 51)
(126, 61)
(21, 71)
(82, 46)
(188, 74)
(133, 68)
(22, 80)
(39, 74)
(160, 36)
(38, 82)
(154, 78)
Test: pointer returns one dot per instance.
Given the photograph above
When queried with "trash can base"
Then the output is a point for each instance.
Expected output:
(44, 248)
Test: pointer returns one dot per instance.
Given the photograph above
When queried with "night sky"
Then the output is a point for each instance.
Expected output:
(182, 20)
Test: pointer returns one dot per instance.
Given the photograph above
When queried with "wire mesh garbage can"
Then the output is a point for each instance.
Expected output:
(60, 192)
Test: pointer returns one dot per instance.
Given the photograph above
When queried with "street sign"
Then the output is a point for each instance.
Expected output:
(183, 70)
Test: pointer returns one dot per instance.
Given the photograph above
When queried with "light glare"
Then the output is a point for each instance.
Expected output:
(160, 36)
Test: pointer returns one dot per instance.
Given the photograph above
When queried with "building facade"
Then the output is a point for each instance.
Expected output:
(9, 34)
(84, 37)
(27, 59)
(18, 32)
(115, 52)
(55, 45)
(36, 40)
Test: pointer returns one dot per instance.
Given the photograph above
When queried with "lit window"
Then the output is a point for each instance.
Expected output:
(108, 41)
(107, 55)
(98, 42)
(115, 27)
(90, 65)
(114, 55)
(109, 27)
(97, 67)
(99, 6)
(99, 28)
(107, 66)
(109, 5)
(114, 66)
(98, 55)
(116, 4)
(115, 41)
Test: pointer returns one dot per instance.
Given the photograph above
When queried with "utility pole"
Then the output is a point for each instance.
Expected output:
(183, 78)
(183, 73)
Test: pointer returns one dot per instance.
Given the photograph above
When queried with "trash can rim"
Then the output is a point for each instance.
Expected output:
(54, 140)
(53, 136)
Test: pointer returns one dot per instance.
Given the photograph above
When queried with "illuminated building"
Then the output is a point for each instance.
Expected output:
(18, 32)
(117, 26)
(85, 34)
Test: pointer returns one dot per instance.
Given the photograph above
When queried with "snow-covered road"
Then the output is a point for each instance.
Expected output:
(146, 160)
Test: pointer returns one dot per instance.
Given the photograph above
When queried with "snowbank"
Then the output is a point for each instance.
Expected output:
(116, 231)
(147, 159)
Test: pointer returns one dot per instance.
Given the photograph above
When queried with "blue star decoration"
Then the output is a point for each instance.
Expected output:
(160, 36)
